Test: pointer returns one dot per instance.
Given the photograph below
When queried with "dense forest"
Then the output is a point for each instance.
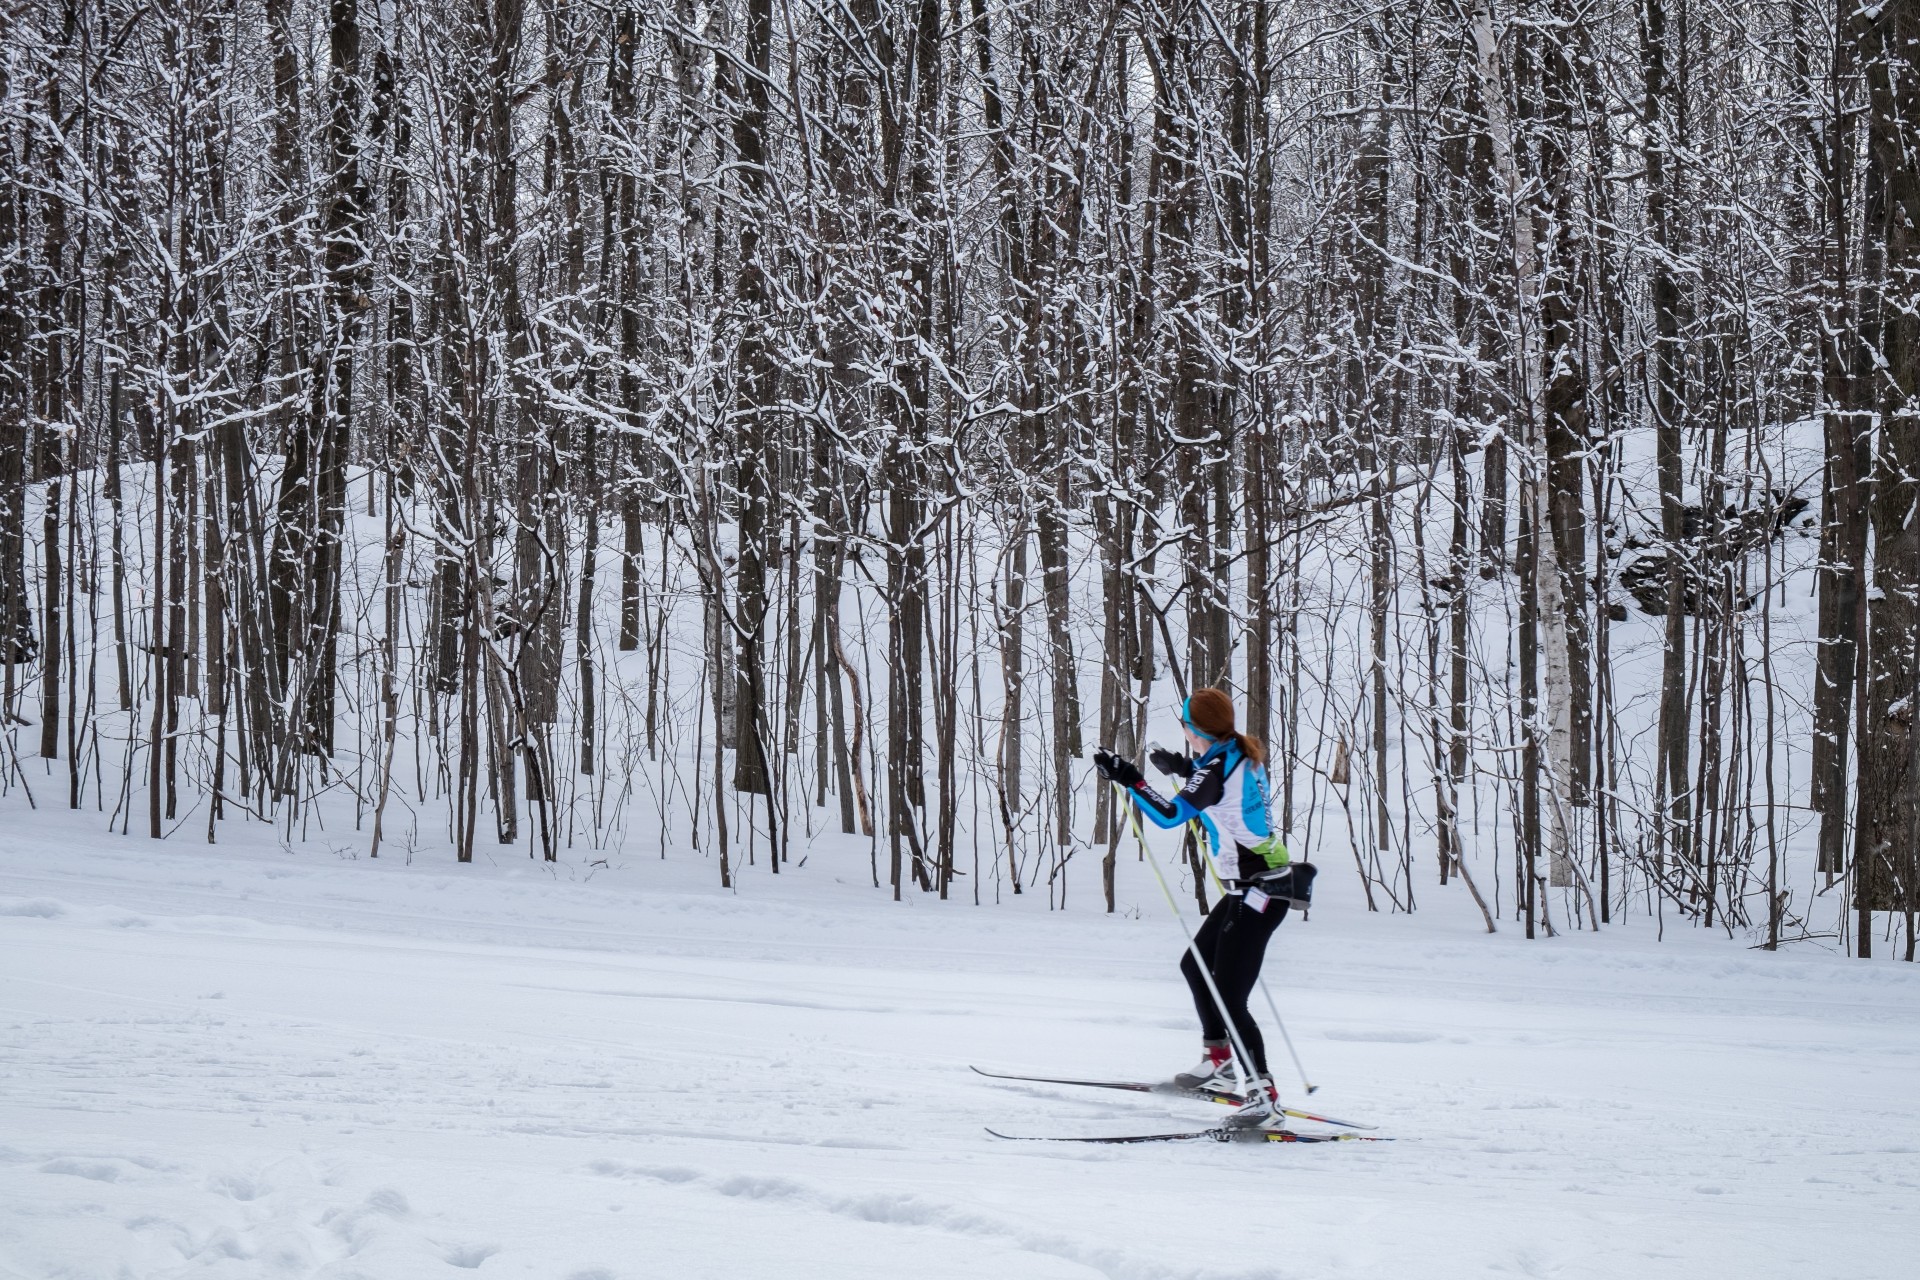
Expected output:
(554, 422)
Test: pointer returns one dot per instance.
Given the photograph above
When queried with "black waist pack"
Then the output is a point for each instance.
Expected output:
(1291, 884)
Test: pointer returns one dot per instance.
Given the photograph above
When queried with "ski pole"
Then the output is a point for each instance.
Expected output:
(1274, 1009)
(1244, 1075)
(1287, 1039)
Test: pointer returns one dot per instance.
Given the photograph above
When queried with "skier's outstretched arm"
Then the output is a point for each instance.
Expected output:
(1162, 812)
(1202, 789)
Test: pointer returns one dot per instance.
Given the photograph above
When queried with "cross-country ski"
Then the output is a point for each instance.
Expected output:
(1168, 1088)
(1196, 1135)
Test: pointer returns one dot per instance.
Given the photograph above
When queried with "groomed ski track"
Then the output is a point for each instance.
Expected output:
(242, 1062)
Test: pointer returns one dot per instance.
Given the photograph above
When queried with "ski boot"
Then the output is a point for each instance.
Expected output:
(1213, 1072)
(1261, 1110)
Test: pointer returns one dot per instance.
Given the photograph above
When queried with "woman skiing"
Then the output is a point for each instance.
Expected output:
(1225, 791)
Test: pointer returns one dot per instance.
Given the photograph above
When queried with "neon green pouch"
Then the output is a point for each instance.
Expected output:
(1273, 853)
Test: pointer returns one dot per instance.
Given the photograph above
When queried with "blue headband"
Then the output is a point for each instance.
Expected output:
(1187, 720)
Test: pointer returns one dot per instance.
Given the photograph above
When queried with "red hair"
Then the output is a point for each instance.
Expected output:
(1209, 711)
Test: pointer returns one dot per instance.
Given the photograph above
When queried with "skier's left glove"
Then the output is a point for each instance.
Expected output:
(1170, 763)
(1114, 769)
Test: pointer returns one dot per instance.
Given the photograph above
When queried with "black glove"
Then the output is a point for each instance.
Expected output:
(1171, 763)
(1114, 769)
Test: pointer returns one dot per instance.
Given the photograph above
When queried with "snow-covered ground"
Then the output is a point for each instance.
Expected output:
(250, 1062)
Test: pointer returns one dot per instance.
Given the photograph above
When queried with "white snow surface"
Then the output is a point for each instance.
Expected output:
(251, 1061)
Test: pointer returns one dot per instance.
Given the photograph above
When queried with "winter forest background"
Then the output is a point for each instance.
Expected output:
(694, 428)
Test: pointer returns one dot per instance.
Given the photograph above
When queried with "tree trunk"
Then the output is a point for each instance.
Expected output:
(1847, 422)
(1885, 857)
(1548, 601)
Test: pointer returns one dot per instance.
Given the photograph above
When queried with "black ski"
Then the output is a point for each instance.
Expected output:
(1197, 1135)
(1169, 1089)
(1166, 1088)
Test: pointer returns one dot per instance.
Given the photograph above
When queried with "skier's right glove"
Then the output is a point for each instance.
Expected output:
(1114, 769)
(1171, 763)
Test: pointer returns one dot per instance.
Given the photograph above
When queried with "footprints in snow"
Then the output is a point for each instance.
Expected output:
(889, 1208)
(259, 1222)
(470, 1256)
(246, 1222)
(95, 1170)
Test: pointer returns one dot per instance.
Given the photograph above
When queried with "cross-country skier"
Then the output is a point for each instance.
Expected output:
(1225, 791)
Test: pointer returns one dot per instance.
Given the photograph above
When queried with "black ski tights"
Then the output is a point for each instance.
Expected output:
(1233, 942)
